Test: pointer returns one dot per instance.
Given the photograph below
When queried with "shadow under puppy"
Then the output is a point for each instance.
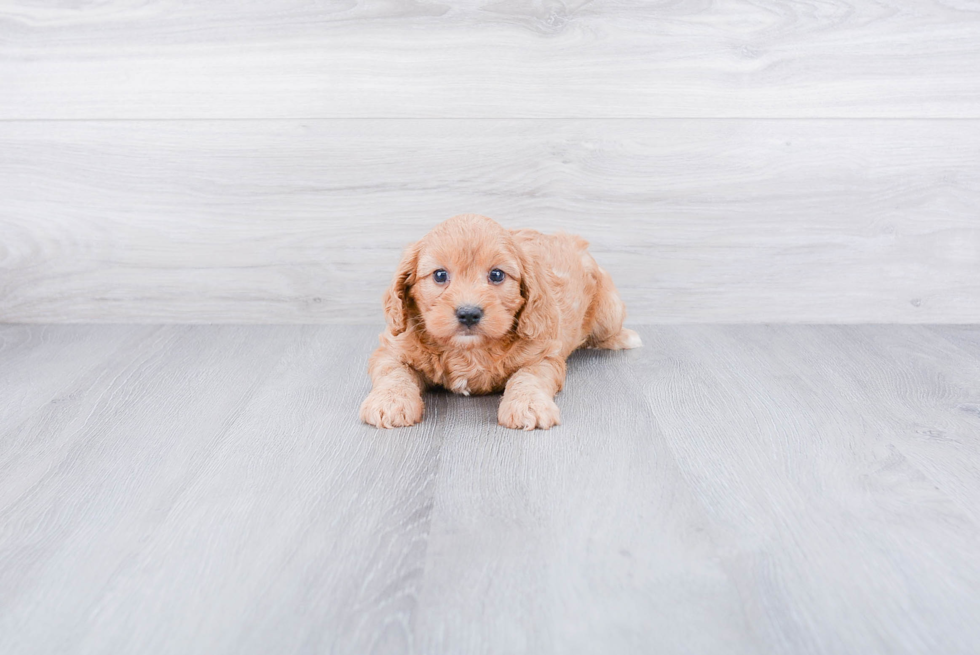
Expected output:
(476, 308)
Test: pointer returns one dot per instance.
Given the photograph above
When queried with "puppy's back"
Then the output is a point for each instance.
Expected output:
(570, 274)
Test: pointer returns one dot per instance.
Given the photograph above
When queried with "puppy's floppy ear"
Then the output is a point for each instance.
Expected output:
(538, 318)
(396, 297)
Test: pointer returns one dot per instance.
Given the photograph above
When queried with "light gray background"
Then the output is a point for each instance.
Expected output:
(266, 161)
(775, 489)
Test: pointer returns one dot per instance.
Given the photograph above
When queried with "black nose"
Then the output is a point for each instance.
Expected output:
(469, 315)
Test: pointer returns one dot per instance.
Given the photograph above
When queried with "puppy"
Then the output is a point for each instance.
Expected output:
(478, 309)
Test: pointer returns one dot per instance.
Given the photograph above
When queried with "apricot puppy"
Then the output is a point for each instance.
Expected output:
(477, 309)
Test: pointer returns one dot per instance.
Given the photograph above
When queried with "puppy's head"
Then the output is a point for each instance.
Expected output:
(467, 283)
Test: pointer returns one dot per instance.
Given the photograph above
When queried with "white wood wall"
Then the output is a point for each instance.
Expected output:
(266, 161)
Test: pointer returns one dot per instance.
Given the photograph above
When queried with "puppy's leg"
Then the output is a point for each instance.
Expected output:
(608, 331)
(528, 401)
(396, 399)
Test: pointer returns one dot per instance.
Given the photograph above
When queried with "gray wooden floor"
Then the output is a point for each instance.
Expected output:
(204, 489)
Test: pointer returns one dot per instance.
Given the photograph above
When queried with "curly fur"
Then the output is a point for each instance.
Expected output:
(554, 299)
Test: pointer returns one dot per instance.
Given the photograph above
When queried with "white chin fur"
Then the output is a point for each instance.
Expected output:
(467, 340)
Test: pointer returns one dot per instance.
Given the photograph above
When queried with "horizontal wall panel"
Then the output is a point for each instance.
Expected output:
(292, 59)
(303, 221)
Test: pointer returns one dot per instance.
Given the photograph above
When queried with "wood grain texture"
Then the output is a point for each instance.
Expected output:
(303, 221)
(38, 364)
(795, 439)
(540, 59)
(725, 489)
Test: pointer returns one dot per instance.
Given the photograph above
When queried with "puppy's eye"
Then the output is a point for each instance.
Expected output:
(440, 276)
(497, 276)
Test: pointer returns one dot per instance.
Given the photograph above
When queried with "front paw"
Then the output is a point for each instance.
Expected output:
(392, 408)
(527, 412)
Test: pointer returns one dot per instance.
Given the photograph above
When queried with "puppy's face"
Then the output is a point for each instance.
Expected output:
(467, 282)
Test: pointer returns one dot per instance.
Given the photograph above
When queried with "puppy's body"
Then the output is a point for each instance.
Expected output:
(553, 298)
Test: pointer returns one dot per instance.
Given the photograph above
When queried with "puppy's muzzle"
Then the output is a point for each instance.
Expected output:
(469, 315)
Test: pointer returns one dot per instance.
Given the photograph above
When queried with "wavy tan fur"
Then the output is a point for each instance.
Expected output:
(554, 298)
